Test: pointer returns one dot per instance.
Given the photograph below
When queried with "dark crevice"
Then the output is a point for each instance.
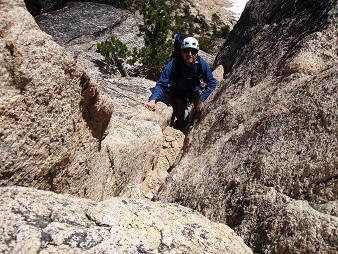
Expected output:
(10, 48)
(326, 180)
(6, 175)
(96, 116)
(162, 248)
(96, 222)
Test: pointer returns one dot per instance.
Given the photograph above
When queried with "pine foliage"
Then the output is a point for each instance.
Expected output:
(162, 19)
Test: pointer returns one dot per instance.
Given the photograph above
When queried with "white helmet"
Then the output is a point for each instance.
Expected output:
(190, 42)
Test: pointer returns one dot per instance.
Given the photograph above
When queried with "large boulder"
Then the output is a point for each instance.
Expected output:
(57, 131)
(35, 221)
(171, 147)
(261, 159)
(52, 115)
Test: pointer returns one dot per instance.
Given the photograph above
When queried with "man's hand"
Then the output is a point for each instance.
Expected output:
(151, 105)
(199, 105)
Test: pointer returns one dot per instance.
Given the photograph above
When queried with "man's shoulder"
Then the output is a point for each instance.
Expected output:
(169, 65)
(203, 65)
(202, 61)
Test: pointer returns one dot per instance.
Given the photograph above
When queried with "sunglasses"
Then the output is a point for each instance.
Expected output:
(193, 51)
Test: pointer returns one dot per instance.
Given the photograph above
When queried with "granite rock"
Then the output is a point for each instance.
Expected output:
(60, 130)
(262, 157)
(53, 117)
(35, 221)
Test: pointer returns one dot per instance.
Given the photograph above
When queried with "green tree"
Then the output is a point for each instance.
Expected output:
(206, 44)
(114, 51)
(156, 29)
(161, 20)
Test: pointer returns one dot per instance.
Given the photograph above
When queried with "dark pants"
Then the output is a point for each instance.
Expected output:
(181, 114)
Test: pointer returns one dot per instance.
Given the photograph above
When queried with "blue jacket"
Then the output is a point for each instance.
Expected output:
(187, 73)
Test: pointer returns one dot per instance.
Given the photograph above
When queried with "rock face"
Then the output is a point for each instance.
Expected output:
(171, 147)
(34, 221)
(52, 116)
(261, 158)
(57, 131)
(210, 7)
(134, 137)
(91, 23)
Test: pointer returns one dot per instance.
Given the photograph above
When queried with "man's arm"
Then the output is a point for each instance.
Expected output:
(209, 79)
(161, 84)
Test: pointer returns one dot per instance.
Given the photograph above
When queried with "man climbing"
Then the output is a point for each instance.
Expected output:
(180, 83)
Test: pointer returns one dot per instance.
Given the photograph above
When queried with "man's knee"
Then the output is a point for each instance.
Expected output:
(182, 115)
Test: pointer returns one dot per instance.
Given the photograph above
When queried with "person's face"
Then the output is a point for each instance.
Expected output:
(189, 55)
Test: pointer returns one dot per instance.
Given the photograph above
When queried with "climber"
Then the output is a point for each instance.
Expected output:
(180, 84)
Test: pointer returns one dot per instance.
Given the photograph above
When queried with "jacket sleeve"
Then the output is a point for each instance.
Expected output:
(163, 82)
(209, 79)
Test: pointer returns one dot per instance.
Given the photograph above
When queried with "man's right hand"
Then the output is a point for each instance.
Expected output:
(151, 105)
(199, 105)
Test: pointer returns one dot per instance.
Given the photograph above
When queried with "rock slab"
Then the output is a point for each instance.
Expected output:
(262, 158)
(92, 23)
(34, 221)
